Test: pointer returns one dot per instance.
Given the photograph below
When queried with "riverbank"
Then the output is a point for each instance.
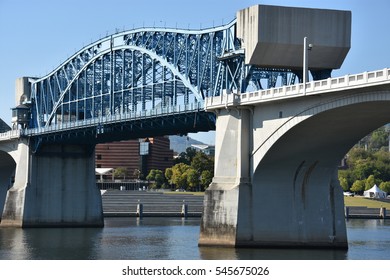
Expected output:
(118, 203)
(359, 207)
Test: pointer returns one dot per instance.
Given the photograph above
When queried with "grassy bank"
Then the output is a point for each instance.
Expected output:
(365, 202)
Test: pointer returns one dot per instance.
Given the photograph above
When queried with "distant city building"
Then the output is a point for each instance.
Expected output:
(206, 149)
(142, 154)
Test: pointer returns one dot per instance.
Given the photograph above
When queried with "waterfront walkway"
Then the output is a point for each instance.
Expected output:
(359, 212)
(118, 203)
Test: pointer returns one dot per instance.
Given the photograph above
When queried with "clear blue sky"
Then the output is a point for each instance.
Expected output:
(36, 36)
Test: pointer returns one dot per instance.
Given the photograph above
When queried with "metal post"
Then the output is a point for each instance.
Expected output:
(184, 210)
(305, 64)
(140, 209)
(346, 211)
(382, 213)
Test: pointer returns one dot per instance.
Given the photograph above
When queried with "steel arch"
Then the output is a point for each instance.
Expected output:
(143, 69)
(152, 55)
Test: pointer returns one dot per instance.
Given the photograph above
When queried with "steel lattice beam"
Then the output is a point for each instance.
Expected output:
(145, 69)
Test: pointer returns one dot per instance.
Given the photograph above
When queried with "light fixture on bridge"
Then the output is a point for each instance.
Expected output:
(21, 116)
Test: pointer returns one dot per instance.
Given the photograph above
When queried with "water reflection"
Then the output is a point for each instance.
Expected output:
(271, 254)
(170, 239)
(368, 239)
(48, 243)
(150, 238)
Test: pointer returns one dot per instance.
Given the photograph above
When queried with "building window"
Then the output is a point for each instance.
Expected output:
(144, 148)
(98, 156)
(98, 166)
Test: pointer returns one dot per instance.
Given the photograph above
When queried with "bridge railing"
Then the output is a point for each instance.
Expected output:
(11, 134)
(120, 117)
(313, 87)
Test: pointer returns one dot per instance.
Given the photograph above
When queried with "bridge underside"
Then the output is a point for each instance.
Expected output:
(293, 197)
(118, 129)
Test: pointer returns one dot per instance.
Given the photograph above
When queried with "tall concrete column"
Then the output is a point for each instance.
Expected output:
(231, 182)
(7, 172)
(13, 206)
(54, 188)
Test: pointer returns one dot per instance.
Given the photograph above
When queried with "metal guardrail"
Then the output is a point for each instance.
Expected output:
(117, 118)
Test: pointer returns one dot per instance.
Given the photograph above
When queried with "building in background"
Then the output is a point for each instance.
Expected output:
(206, 149)
(132, 155)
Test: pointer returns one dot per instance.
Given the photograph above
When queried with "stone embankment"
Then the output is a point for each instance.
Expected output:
(118, 203)
(357, 212)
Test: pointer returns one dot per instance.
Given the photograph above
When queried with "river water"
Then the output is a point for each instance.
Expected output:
(172, 238)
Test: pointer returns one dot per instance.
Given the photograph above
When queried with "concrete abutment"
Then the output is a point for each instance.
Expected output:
(54, 188)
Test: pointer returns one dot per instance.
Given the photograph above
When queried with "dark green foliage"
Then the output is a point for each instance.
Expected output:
(368, 164)
(157, 177)
(193, 171)
(120, 172)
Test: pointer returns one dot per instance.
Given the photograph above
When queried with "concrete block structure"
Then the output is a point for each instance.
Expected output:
(272, 36)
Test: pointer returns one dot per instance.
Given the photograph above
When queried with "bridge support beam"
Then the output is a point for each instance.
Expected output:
(54, 188)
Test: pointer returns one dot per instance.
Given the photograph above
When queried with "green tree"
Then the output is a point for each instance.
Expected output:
(370, 182)
(344, 183)
(193, 169)
(379, 138)
(168, 175)
(157, 177)
(201, 162)
(192, 179)
(358, 186)
(179, 175)
(370, 163)
(120, 172)
(186, 157)
(206, 178)
(385, 186)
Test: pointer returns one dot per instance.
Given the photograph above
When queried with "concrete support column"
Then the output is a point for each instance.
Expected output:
(231, 183)
(54, 188)
(13, 205)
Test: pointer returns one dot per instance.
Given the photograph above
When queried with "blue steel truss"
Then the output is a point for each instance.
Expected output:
(142, 70)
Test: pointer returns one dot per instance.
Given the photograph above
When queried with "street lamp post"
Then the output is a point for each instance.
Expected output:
(305, 63)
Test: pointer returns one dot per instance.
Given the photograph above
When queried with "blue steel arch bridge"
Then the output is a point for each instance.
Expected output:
(143, 82)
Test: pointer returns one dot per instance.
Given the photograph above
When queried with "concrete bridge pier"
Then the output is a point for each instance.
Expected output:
(290, 198)
(53, 188)
(227, 205)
